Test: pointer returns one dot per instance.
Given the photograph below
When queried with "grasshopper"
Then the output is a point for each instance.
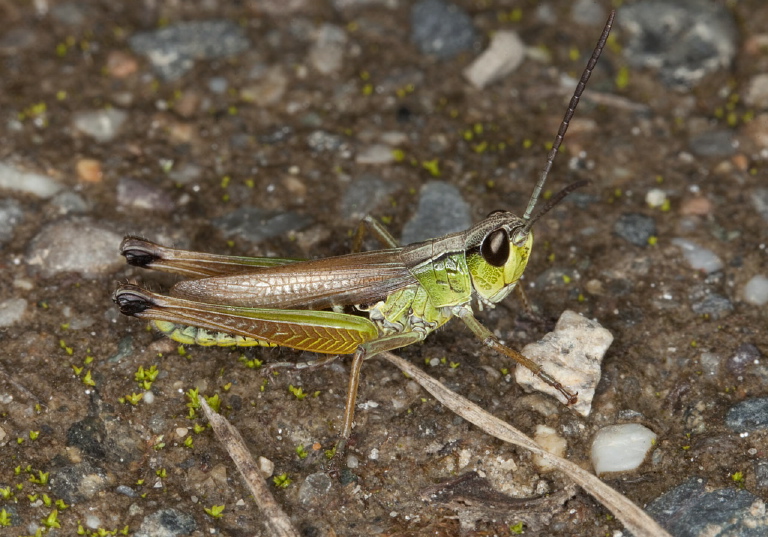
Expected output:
(362, 303)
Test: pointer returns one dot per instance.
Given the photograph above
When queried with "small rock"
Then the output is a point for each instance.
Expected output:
(121, 64)
(621, 448)
(135, 194)
(375, 154)
(759, 199)
(10, 215)
(441, 28)
(70, 202)
(746, 354)
(555, 444)
(655, 197)
(572, 354)
(684, 39)
(322, 141)
(698, 206)
(256, 225)
(761, 474)
(186, 173)
(504, 54)
(748, 415)
(693, 510)
(89, 170)
(756, 95)
(173, 50)
(327, 53)
(364, 195)
(635, 228)
(713, 144)
(756, 290)
(714, 305)
(101, 125)
(266, 467)
(166, 523)
(699, 258)
(441, 210)
(79, 482)
(268, 89)
(757, 130)
(314, 489)
(11, 311)
(38, 185)
(75, 245)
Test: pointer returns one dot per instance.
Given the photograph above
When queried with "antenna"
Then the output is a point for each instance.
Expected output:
(523, 233)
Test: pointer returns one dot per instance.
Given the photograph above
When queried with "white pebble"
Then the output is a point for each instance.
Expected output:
(149, 397)
(266, 466)
(505, 54)
(621, 448)
(699, 258)
(572, 354)
(36, 184)
(655, 197)
(756, 290)
(552, 442)
(11, 311)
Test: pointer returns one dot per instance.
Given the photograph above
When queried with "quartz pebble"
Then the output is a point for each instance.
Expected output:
(756, 290)
(699, 258)
(621, 448)
(504, 54)
(572, 354)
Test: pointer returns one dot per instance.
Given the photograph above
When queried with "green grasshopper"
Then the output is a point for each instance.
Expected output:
(362, 303)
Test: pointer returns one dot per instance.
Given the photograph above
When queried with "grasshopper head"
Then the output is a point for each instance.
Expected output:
(502, 246)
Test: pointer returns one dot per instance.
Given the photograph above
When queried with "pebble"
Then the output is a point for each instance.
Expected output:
(256, 225)
(364, 195)
(552, 442)
(12, 311)
(11, 214)
(70, 202)
(173, 50)
(166, 523)
(504, 54)
(268, 88)
(75, 245)
(635, 228)
(136, 194)
(441, 210)
(376, 154)
(718, 144)
(757, 131)
(314, 489)
(89, 170)
(13, 179)
(713, 305)
(684, 39)
(694, 510)
(756, 290)
(756, 95)
(322, 141)
(699, 258)
(655, 197)
(759, 199)
(621, 448)
(572, 353)
(101, 125)
(79, 482)
(441, 28)
(698, 206)
(748, 415)
(746, 355)
(326, 55)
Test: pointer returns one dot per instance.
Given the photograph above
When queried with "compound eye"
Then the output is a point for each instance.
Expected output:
(495, 248)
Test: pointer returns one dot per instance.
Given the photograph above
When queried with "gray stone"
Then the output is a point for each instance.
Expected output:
(441, 210)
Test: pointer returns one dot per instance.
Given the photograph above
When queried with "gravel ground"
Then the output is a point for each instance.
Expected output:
(270, 128)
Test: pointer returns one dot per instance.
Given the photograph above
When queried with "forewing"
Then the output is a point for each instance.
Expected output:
(361, 278)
